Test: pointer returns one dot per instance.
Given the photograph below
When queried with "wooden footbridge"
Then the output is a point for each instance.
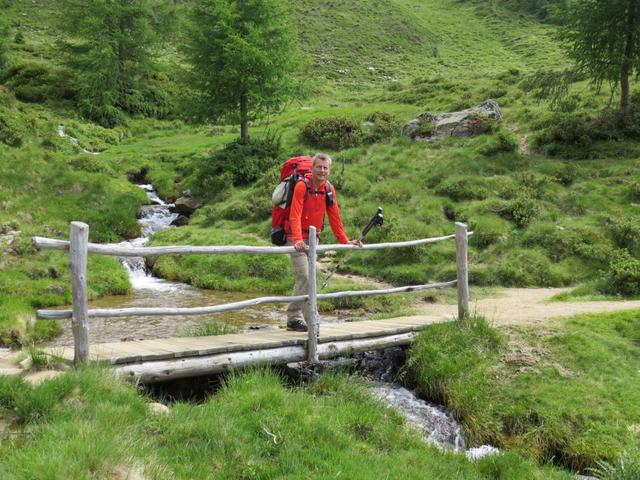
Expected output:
(151, 361)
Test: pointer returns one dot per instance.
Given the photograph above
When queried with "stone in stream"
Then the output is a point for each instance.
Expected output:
(180, 221)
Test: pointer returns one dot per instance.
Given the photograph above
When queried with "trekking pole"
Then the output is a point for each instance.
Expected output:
(376, 220)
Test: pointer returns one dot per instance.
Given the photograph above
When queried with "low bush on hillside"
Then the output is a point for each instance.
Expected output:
(11, 131)
(380, 126)
(625, 231)
(38, 82)
(463, 188)
(502, 142)
(623, 275)
(487, 230)
(236, 164)
(332, 132)
(521, 210)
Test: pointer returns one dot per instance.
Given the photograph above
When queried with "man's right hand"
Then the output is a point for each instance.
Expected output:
(300, 246)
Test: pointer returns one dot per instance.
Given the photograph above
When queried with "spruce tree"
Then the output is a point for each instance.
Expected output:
(604, 42)
(112, 46)
(243, 59)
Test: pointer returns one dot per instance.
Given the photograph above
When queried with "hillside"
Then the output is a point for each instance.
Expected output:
(551, 194)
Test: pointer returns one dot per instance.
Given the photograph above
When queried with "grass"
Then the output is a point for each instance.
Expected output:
(562, 393)
(87, 424)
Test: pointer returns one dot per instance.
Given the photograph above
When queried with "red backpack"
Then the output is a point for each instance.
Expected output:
(293, 170)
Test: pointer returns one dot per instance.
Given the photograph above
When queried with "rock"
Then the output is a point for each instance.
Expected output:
(156, 408)
(27, 363)
(122, 472)
(465, 123)
(186, 205)
(37, 378)
(180, 221)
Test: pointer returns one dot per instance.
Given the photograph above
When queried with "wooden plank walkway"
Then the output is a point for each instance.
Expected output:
(168, 358)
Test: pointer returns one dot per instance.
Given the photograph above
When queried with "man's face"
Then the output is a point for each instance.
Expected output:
(320, 171)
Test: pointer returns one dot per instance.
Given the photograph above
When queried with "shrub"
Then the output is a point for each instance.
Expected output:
(4, 41)
(623, 274)
(462, 188)
(426, 128)
(634, 191)
(564, 135)
(236, 163)
(36, 82)
(522, 210)
(566, 175)
(487, 230)
(332, 132)
(384, 126)
(625, 231)
(529, 268)
(479, 124)
(10, 131)
(503, 142)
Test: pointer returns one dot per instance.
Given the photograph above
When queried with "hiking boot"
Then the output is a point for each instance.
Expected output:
(297, 326)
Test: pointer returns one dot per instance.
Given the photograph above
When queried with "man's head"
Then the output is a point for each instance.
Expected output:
(320, 168)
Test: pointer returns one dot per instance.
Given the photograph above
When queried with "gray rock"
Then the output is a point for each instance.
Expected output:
(431, 126)
(180, 221)
(186, 205)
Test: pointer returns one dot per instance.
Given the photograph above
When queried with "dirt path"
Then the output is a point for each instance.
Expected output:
(522, 306)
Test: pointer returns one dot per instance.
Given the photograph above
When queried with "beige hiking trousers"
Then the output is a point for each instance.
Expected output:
(300, 265)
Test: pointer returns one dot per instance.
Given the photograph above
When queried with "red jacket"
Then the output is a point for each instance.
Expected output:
(311, 210)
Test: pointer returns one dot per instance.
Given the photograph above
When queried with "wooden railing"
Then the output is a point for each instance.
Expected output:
(79, 248)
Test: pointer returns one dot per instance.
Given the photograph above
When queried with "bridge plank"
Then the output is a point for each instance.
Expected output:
(176, 348)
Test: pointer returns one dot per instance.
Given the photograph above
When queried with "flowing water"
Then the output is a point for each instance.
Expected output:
(436, 425)
(74, 141)
(151, 291)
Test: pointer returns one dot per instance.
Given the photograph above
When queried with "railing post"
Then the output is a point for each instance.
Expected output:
(78, 266)
(312, 344)
(463, 270)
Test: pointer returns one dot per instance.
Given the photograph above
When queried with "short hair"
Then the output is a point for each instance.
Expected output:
(321, 156)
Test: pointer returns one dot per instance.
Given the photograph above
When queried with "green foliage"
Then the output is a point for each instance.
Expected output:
(237, 163)
(11, 132)
(36, 82)
(522, 210)
(4, 42)
(111, 47)
(502, 142)
(332, 132)
(623, 275)
(534, 391)
(462, 188)
(487, 230)
(384, 126)
(627, 468)
(211, 329)
(625, 231)
(602, 41)
(243, 58)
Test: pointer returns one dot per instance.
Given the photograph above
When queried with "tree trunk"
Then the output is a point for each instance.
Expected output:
(625, 70)
(244, 119)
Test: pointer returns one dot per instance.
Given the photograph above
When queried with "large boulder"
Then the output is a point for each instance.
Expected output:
(185, 205)
(472, 121)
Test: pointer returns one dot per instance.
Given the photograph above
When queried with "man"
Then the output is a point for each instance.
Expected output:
(312, 198)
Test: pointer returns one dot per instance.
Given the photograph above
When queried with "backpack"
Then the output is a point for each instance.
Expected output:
(292, 171)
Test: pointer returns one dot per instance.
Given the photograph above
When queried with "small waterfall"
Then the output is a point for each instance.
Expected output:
(154, 217)
(74, 141)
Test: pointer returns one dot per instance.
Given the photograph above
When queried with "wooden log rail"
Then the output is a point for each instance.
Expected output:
(79, 248)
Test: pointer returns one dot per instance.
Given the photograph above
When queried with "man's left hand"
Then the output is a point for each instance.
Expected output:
(357, 242)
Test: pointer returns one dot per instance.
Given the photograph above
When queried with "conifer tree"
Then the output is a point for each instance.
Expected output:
(604, 42)
(112, 48)
(243, 59)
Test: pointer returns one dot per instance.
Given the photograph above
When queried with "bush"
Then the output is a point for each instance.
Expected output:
(623, 275)
(479, 124)
(522, 210)
(625, 231)
(37, 82)
(4, 42)
(503, 142)
(565, 135)
(462, 188)
(236, 164)
(332, 132)
(10, 132)
(384, 126)
(487, 230)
